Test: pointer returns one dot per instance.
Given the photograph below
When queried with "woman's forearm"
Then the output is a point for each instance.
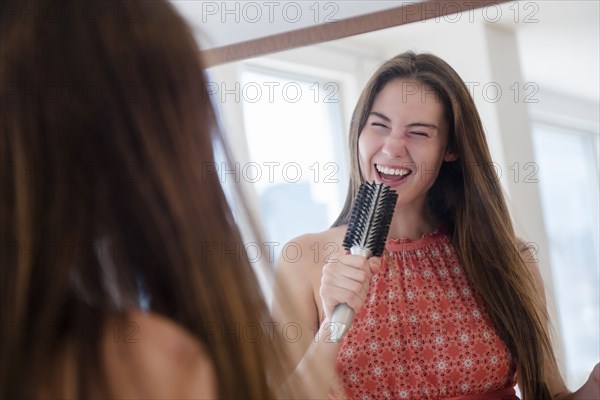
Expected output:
(315, 373)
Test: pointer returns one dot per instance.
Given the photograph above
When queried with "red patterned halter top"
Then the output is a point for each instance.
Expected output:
(422, 332)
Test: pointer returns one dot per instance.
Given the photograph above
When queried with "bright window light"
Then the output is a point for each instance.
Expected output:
(569, 191)
(296, 151)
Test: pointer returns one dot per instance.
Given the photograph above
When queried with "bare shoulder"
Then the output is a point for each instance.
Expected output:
(156, 358)
(301, 260)
(313, 248)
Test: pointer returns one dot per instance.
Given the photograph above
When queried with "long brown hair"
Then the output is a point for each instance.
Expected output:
(109, 201)
(468, 198)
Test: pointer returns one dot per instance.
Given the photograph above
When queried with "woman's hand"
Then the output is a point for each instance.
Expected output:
(346, 279)
(590, 390)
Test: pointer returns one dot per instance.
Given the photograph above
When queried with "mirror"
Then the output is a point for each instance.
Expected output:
(532, 68)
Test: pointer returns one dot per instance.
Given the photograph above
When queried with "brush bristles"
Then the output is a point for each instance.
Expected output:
(371, 217)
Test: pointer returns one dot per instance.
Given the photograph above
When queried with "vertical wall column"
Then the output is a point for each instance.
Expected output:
(519, 169)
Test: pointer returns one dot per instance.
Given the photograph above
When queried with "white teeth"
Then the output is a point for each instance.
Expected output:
(392, 171)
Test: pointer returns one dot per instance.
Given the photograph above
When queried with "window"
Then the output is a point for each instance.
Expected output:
(568, 171)
(296, 149)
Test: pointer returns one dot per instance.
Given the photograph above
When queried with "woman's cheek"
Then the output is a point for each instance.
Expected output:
(364, 167)
(364, 156)
(432, 171)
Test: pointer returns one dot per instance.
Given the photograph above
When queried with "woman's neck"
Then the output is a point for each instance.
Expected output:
(412, 223)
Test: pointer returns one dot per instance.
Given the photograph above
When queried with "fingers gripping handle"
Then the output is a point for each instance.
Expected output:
(343, 314)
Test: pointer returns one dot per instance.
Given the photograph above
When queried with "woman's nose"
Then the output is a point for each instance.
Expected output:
(394, 146)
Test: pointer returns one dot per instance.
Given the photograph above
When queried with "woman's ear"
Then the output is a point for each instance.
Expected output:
(450, 154)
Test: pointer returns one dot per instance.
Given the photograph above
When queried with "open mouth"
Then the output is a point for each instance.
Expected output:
(392, 175)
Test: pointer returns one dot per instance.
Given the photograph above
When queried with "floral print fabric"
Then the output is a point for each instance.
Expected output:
(422, 333)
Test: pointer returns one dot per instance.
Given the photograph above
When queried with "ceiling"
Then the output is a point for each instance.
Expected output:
(559, 43)
(558, 39)
(562, 51)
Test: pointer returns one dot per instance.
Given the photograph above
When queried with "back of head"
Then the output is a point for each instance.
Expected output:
(106, 135)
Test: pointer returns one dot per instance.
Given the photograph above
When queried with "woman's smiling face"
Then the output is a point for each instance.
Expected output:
(404, 140)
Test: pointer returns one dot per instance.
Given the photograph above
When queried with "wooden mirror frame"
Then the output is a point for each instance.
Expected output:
(401, 15)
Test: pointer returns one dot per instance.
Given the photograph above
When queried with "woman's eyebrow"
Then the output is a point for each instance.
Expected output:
(411, 125)
(383, 117)
(421, 124)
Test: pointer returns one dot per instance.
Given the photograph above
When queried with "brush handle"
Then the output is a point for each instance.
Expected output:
(343, 314)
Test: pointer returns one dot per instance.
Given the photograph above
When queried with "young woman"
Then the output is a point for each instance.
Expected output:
(107, 289)
(455, 306)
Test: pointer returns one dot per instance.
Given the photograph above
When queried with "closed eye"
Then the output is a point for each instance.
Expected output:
(378, 124)
(420, 134)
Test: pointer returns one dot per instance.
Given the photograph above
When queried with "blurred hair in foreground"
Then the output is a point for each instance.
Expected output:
(105, 128)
